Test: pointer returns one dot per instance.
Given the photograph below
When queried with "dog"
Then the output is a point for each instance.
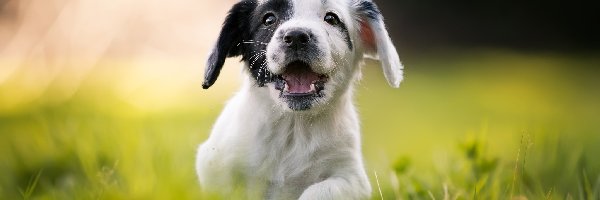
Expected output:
(292, 131)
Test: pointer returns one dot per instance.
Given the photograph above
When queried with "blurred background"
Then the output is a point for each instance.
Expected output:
(103, 99)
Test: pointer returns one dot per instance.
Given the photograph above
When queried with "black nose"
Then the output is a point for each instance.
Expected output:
(296, 39)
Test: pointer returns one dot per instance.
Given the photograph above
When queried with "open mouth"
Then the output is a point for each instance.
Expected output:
(299, 80)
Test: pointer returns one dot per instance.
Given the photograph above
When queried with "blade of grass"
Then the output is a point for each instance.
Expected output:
(446, 193)
(586, 186)
(31, 186)
(549, 194)
(430, 195)
(514, 180)
(378, 186)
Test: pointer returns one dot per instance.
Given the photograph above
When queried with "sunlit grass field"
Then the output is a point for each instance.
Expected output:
(486, 124)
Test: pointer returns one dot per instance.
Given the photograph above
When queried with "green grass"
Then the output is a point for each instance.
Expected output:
(470, 125)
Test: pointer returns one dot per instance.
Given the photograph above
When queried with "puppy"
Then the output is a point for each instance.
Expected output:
(292, 131)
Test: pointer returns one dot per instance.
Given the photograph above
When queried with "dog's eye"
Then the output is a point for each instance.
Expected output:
(332, 18)
(269, 19)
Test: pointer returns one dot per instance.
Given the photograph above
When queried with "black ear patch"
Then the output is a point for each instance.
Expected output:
(235, 28)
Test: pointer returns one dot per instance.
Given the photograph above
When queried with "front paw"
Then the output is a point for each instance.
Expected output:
(332, 189)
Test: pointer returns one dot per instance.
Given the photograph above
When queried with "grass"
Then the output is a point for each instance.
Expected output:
(468, 125)
(30, 187)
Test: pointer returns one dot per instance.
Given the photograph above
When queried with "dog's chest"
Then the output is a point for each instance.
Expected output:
(292, 155)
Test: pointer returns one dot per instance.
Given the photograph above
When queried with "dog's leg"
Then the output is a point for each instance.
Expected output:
(338, 188)
(213, 170)
(217, 156)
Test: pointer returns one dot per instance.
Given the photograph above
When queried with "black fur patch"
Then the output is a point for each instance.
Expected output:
(255, 45)
(243, 33)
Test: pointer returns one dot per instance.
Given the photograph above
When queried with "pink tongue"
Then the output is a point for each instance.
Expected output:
(299, 79)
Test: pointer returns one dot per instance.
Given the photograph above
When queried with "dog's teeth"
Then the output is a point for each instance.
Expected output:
(286, 88)
(312, 87)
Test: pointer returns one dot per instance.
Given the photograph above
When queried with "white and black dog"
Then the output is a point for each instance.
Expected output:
(292, 131)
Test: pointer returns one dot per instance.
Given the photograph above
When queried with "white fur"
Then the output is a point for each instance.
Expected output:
(253, 139)
(277, 153)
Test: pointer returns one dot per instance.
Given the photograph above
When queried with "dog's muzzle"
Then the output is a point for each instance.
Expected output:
(298, 83)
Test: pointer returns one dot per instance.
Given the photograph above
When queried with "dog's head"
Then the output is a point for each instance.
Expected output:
(305, 52)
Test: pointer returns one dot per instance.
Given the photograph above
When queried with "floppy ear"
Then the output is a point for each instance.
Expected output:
(377, 42)
(235, 28)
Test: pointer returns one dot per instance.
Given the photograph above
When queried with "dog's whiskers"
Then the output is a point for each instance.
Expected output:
(256, 57)
(262, 73)
(253, 42)
(268, 29)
